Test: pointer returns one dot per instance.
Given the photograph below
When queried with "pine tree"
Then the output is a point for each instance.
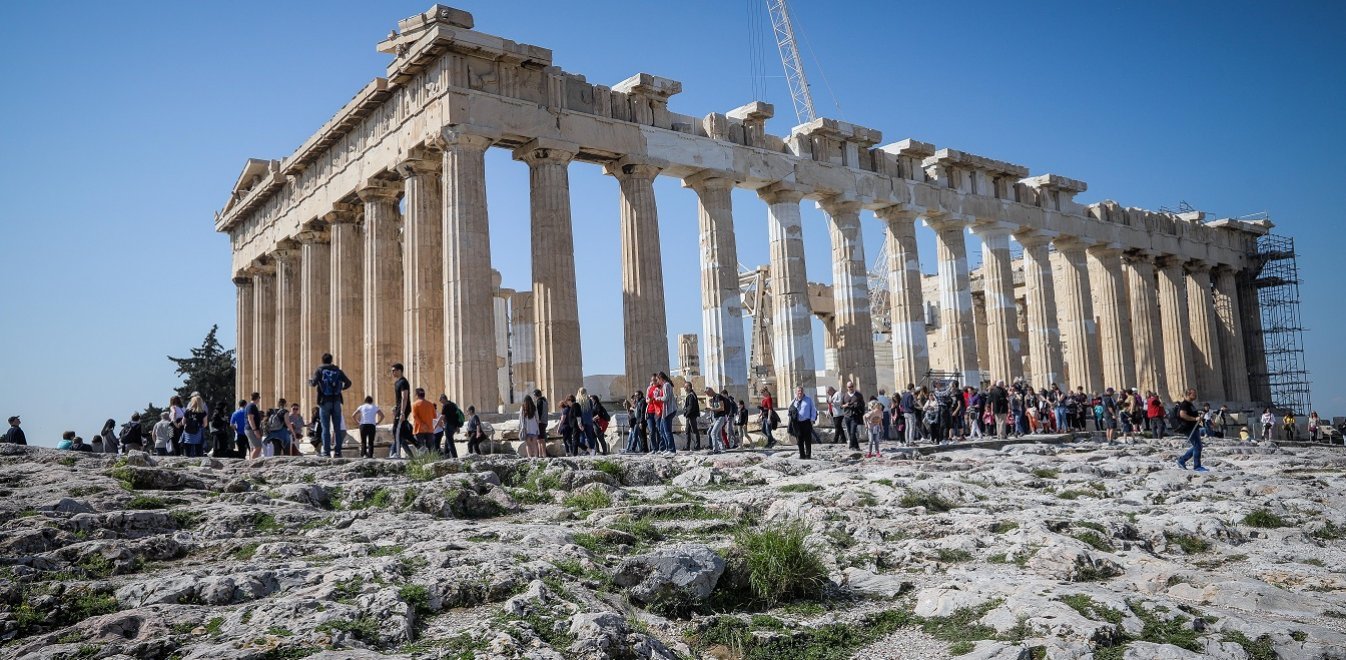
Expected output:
(210, 371)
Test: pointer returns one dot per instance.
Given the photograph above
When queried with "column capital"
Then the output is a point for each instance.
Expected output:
(1105, 249)
(709, 180)
(286, 250)
(379, 190)
(782, 192)
(842, 204)
(1197, 266)
(540, 151)
(1168, 261)
(900, 212)
(261, 267)
(465, 137)
(342, 213)
(242, 280)
(994, 228)
(1072, 243)
(1035, 237)
(635, 167)
(421, 164)
(946, 222)
(1138, 256)
(313, 235)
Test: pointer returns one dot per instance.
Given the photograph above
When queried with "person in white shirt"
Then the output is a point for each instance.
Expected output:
(368, 416)
(163, 434)
(1268, 421)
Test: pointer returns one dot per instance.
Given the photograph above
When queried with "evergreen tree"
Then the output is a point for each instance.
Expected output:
(210, 371)
(148, 418)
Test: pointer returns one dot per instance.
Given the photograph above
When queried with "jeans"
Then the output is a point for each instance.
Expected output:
(716, 434)
(422, 441)
(633, 439)
(1194, 452)
(367, 435)
(853, 431)
(1157, 425)
(329, 417)
(887, 425)
(436, 442)
(874, 433)
(912, 428)
(666, 428)
(1061, 419)
(653, 432)
(193, 450)
(398, 439)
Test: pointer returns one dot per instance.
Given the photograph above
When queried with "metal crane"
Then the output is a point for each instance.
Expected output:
(789, 58)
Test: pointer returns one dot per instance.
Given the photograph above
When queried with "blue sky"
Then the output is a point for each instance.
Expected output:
(125, 124)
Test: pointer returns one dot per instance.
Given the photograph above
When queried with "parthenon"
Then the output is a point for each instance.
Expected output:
(371, 242)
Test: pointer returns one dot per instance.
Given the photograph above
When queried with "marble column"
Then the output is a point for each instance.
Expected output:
(244, 364)
(382, 290)
(522, 347)
(553, 304)
(471, 367)
(315, 307)
(1254, 347)
(1230, 327)
(289, 376)
(346, 311)
(1146, 336)
(1044, 335)
(423, 273)
(957, 333)
(1002, 323)
(644, 322)
(1113, 312)
(264, 334)
(854, 332)
(1179, 365)
(1205, 337)
(792, 316)
(726, 362)
(911, 351)
(1075, 305)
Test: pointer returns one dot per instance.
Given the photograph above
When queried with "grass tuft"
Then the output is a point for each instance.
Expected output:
(1264, 519)
(781, 567)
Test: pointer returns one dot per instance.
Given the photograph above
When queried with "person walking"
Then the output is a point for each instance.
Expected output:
(401, 411)
(803, 413)
(528, 430)
(330, 382)
(543, 414)
(454, 419)
(238, 421)
(14, 435)
(588, 411)
(475, 433)
(1315, 426)
(422, 422)
(635, 415)
(874, 427)
(1000, 409)
(437, 444)
(175, 414)
(367, 418)
(1268, 421)
(132, 436)
(162, 432)
(1189, 424)
(907, 405)
(887, 403)
(295, 422)
(566, 427)
(277, 430)
(1108, 405)
(719, 410)
(670, 411)
(767, 417)
(836, 402)
(193, 427)
(691, 413)
(1288, 426)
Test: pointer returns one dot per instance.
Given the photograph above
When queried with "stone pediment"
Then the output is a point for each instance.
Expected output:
(255, 171)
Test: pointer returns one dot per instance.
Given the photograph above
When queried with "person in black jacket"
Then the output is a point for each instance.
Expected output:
(14, 435)
(853, 409)
(691, 410)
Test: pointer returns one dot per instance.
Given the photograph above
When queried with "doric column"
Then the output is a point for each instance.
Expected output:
(288, 368)
(1178, 362)
(1113, 313)
(792, 317)
(1002, 323)
(523, 343)
(1078, 329)
(423, 272)
(1205, 338)
(644, 322)
(471, 370)
(501, 306)
(1146, 335)
(346, 313)
(263, 370)
(957, 333)
(315, 308)
(243, 364)
(1230, 326)
(383, 290)
(1254, 346)
(553, 305)
(911, 351)
(1044, 335)
(854, 332)
(726, 362)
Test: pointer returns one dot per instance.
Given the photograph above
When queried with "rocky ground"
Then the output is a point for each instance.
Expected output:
(1075, 550)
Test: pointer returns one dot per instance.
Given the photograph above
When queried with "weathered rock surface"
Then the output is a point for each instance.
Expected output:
(1056, 550)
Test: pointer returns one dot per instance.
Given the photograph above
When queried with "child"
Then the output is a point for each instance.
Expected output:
(874, 424)
(1244, 435)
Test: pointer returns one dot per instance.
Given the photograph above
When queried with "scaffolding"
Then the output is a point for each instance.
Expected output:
(1277, 285)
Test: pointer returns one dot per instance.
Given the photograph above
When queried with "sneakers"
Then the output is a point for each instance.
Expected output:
(1200, 469)
(1182, 465)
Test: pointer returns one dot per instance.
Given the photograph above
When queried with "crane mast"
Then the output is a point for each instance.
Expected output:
(789, 57)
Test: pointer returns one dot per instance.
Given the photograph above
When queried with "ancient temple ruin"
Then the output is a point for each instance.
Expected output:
(1111, 296)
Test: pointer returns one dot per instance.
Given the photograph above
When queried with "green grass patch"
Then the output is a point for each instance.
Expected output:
(1190, 543)
(1074, 494)
(1003, 526)
(780, 566)
(1089, 524)
(365, 628)
(381, 498)
(610, 468)
(1094, 540)
(265, 523)
(245, 551)
(147, 502)
(415, 595)
(1092, 610)
(186, 518)
(800, 488)
(1046, 473)
(588, 500)
(419, 467)
(1329, 532)
(386, 550)
(1262, 648)
(931, 501)
(952, 556)
(1264, 519)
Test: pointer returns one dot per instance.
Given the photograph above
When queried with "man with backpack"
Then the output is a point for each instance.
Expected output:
(454, 419)
(719, 410)
(330, 382)
(1187, 421)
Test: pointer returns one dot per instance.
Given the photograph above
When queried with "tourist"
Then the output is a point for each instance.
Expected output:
(691, 413)
(1314, 423)
(193, 427)
(277, 430)
(1107, 406)
(587, 428)
(475, 433)
(401, 411)
(330, 381)
(295, 422)
(368, 416)
(566, 428)
(1000, 409)
(77, 444)
(255, 425)
(731, 419)
(1154, 415)
(1268, 421)
(909, 410)
(175, 413)
(1245, 435)
(162, 432)
(543, 411)
(600, 419)
(669, 411)
(854, 412)
(422, 422)
(108, 436)
(654, 414)
(14, 434)
(719, 410)
(767, 417)
(528, 430)
(741, 422)
(1124, 416)
(874, 427)
(887, 403)
(835, 406)
(1190, 426)
(438, 435)
(239, 421)
(453, 421)
(635, 415)
(132, 436)
(1288, 426)
(802, 416)
(978, 412)
(220, 441)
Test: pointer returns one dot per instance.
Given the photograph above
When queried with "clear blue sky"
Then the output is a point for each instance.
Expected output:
(124, 125)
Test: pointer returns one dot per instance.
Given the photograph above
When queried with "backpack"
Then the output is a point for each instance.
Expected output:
(329, 382)
(599, 411)
(275, 420)
(1175, 419)
(191, 422)
(458, 418)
